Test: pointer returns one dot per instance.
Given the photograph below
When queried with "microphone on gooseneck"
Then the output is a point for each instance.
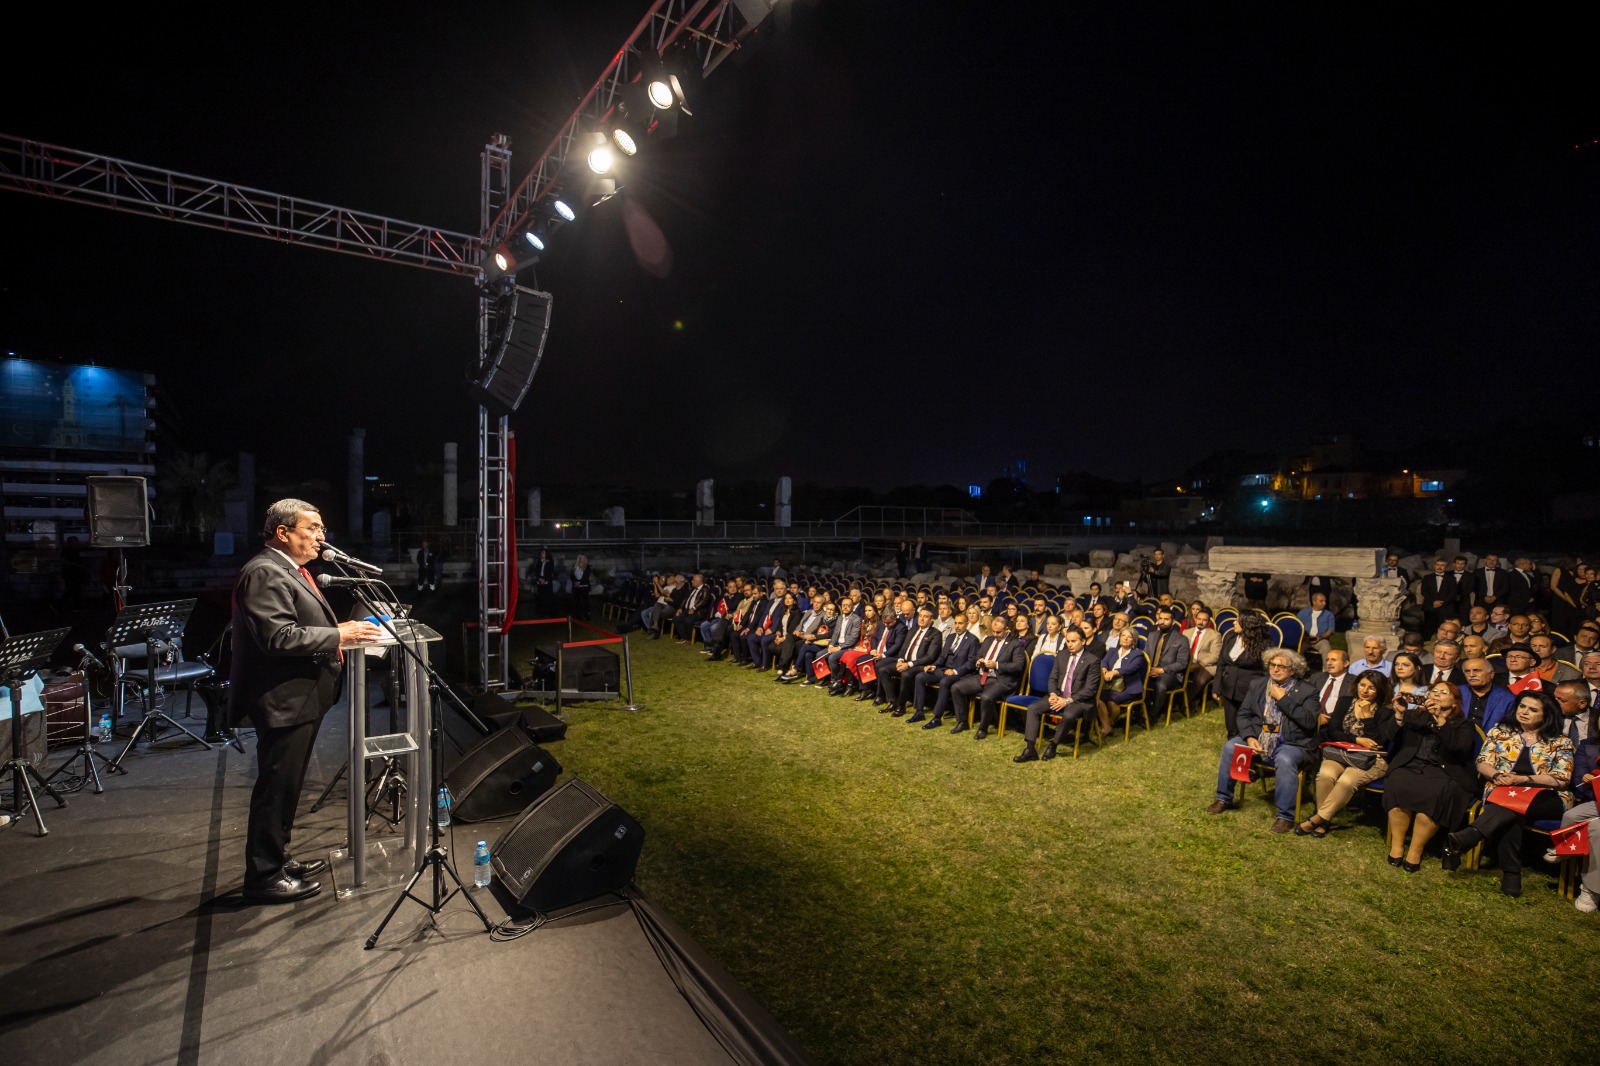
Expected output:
(329, 581)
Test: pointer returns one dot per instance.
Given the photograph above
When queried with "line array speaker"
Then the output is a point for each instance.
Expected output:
(518, 325)
(119, 512)
(572, 845)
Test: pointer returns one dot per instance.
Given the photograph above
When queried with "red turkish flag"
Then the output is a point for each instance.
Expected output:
(1514, 797)
(820, 668)
(867, 671)
(1239, 765)
(1571, 839)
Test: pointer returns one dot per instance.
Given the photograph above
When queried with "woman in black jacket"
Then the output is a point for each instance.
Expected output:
(1432, 779)
(1239, 666)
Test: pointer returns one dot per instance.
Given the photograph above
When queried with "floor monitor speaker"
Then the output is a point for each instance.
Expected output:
(119, 512)
(573, 845)
(499, 776)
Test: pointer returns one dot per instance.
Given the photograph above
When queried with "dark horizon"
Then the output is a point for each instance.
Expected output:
(905, 250)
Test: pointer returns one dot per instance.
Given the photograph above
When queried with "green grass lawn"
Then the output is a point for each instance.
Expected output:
(895, 895)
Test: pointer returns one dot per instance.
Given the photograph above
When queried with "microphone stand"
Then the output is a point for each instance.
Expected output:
(437, 857)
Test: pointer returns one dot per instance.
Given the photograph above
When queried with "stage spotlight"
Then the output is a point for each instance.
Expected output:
(600, 157)
(535, 240)
(665, 92)
(624, 141)
(567, 214)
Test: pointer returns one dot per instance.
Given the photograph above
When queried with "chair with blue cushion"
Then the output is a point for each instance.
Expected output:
(1036, 689)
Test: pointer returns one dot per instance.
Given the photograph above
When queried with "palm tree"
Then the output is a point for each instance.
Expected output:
(191, 492)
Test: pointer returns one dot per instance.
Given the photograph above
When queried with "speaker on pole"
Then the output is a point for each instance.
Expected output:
(499, 776)
(119, 512)
(573, 845)
(518, 324)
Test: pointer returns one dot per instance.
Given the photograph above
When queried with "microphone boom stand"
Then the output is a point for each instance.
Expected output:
(437, 858)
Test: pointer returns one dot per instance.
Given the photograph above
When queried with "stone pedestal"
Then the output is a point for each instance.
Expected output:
(1380, 600)
(1214, 588)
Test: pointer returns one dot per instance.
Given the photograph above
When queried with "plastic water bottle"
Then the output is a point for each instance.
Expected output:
(444, 807)
(480, 865)
(105, 729)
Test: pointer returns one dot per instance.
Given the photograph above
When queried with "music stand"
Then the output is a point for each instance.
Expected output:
(20, 658)
(153, 625)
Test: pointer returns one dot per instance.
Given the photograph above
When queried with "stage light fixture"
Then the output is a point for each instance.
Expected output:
(665, 92)
(535, 240)
(624, 141)
(600, 157)
(560, 208)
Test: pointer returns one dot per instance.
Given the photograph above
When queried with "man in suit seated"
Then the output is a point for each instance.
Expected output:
(1168, 653)
(922, 647)
(1335, 687)
(999, 667)
(1205, 649)
(844, 637)
(1074, 683)
(955, 661)
(1484, 701)
(1277, 720)
(1445, 667)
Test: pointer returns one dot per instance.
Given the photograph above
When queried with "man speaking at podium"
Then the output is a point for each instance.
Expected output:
(285, 677)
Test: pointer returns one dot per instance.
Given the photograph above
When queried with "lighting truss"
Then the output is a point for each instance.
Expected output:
(712, 30)
(59, 173)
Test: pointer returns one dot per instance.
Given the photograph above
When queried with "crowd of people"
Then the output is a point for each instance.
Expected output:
(1497, 699)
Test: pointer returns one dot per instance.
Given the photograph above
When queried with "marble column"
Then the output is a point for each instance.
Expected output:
(1214, 588)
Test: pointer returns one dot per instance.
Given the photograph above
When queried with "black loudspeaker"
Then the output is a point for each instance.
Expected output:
(499, 776)
(119, 512)
(518, 324)
(572, 845)
(537, 722)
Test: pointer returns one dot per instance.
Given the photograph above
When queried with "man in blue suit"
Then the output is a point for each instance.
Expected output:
(1482, 700)
(922, 647)
(955, 662)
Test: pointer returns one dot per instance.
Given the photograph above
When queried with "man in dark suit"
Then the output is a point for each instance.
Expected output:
(1168, 653)
(954, 662)
(922, 648)
(887, 640)
(1282, 704)
(999, 668)
(1074, 682)
(1095, 596)
(285, 677)
(1439, 596)
(1446, 665)
(1521, 585)
(695, 609)
(1488, 583)
(1335, 687)
(1124, 601)
(919, 557)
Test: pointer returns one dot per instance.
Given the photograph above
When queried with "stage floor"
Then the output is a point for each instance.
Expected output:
(124, 943)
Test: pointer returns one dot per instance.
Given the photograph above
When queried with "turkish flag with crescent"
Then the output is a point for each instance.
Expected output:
(1514, 797)
(1571, 839)
(1239, 764)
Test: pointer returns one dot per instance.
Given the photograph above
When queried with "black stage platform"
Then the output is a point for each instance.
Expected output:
(122, 941)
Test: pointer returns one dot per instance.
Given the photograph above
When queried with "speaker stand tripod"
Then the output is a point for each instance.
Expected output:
(21, 658)
(437, 858)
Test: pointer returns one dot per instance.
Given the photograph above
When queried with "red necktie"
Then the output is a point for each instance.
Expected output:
(1327, 690)
(318, 594)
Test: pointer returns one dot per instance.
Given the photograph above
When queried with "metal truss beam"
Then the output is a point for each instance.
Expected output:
(712, 30)
(58, 173)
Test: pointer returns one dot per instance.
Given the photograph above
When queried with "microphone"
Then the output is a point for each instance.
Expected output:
(330, 554)
(329, 581)
(88, 656)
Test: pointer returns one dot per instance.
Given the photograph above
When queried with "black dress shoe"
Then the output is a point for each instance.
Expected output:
(836, 690)
(915, 718)
(1049, 751)
(1511, 882)
(897, 712)
(961, 727)
(1453, 847)
(302, 870)
(983, 732)
(1028, 755)
(284, 890)
(863, 697)
(933, 723)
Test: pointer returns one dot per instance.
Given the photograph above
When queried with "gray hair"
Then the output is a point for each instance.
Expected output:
(284, 513)
(1297, 665)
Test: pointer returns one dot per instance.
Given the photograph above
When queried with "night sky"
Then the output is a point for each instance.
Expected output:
(911, 242)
